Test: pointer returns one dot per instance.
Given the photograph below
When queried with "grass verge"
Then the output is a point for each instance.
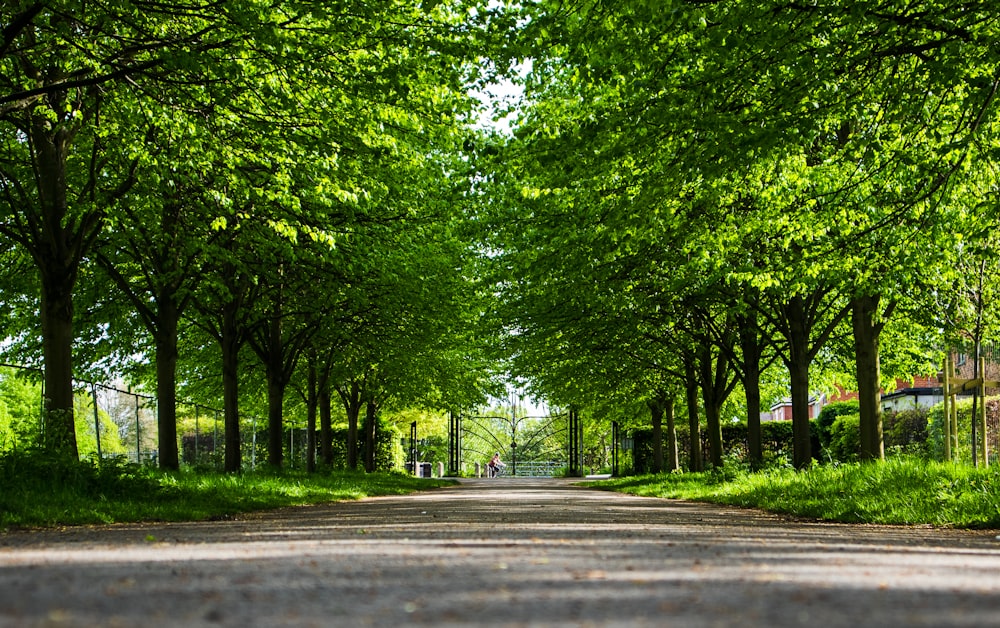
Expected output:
(904, 491)
(36, 491)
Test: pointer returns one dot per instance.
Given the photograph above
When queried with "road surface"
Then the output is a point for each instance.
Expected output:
(503, 552)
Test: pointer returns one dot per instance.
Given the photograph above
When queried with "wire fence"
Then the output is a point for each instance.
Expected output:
(114, 422)
(540, 468)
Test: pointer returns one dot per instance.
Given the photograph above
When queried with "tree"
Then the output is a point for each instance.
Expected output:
(805, 134)
(71, 77)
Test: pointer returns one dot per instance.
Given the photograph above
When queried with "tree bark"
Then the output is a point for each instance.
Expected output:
(312, 403)
(325, 421)
(866, 358)
(691, 393)
(371, 432)
(275, 394)
(752, 349)
(713, 375)
(59, 434)
(656, 418)
(229, 344)
(351, 398)
(165, 334)
(798, 371)
(668, 413)
(57, 250)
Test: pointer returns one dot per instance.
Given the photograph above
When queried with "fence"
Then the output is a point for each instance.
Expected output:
(538, 469)
(113, 422)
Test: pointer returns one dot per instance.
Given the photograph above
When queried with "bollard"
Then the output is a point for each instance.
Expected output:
(440, 469)
(478, 471)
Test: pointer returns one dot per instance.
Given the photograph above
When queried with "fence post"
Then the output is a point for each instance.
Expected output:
(946, 409)
(138, 434)
(982, 414)
(215, 440)
(197, 434)
(97, 421)
(954, 415)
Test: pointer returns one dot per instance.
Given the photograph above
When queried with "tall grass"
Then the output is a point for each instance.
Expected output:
(38, 490)
(899, 490)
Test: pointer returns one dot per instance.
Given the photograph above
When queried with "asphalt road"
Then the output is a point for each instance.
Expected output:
(504, 552)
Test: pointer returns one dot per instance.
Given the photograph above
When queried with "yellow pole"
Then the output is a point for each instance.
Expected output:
(954, 410)
(982, 415)
(946, 391)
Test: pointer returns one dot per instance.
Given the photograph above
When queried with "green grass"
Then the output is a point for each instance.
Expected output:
(36, 491)
(897, 491)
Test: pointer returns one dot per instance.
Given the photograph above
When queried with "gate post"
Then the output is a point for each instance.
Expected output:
(575, 444)
(413, 449)
(614, 448)
(454, 444)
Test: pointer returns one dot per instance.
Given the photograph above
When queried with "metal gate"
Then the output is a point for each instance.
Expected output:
(530, 446)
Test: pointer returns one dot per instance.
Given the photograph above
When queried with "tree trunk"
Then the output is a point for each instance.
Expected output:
(229, 342)
(656, 418)
(312, 401)
(165, 334)
(691, 393)
(325, 421)
(59, 435)
(752, 349)
(668, 412)
(798, 371)
(371, 432)
(56, 253)
(866, 359)
(352, 408)
(713, 398)
(275, 395)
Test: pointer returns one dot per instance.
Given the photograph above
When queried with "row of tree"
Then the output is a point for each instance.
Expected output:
(211, 195)
(696, 192)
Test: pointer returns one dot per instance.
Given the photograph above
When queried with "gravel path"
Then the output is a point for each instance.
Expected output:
(505, 552)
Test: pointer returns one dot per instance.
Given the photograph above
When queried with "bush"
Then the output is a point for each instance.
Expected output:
(828, 416)
(906, 432)
(845, 438)
(38, 471)
(776, 444)
(935, 429)
(389, 452)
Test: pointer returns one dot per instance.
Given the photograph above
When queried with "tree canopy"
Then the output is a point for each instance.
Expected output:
(235, 200)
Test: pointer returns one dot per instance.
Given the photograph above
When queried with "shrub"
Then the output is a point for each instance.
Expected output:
(36, 470)
(776, 444)
(389, 452)
(828, 416)
(935, 429)
(906, 432)
(845, 438)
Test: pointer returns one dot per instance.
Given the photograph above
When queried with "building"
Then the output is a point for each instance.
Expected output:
(923, 392)
(782, 411)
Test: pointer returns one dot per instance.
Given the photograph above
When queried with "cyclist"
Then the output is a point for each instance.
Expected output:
(494, 466)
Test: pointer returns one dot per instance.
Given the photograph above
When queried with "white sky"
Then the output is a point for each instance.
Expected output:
(499, 96)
